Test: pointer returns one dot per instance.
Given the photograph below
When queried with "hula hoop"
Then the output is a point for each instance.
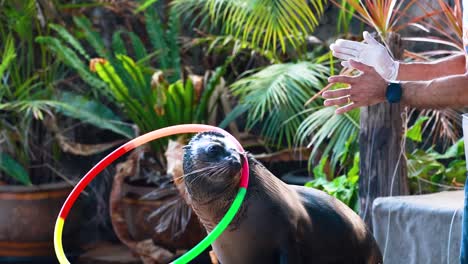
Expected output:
(167, 131)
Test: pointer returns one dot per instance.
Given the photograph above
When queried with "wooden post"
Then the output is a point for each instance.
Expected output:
(382, 165)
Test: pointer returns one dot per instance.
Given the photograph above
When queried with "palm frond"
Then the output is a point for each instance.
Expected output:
(328, 132)
(73, 106)
(276, 94)
(217, 44)
(91, 112)
(268, 24)
(143, 6)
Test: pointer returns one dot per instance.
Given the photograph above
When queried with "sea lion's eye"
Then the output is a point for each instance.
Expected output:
(215, 150)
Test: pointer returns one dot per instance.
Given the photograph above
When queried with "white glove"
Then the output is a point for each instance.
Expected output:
(371, 53)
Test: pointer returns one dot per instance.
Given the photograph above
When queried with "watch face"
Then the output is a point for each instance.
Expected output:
(394, 92)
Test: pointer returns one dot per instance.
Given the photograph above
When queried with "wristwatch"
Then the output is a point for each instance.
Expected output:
(394, 92)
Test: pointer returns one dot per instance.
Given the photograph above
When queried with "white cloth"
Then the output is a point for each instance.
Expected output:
(419, 229)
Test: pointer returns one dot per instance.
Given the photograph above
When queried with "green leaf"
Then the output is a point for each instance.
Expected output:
(156, 35)
(202, 111)
(353, 173)
(145, 5)
(70, 39)
(118, 46)
(414, 132)
(14, 169)
(456, 170)
(457, 150)
(317, 183)
(233, 115)
(138, 46)
(107, 73)
(422, 164)
(437, 178)
(93, 37)
(70, 58)
(172, 43)
(93, 112)
(189, 103)
(8, 55)
(177, 103)
(319, 170)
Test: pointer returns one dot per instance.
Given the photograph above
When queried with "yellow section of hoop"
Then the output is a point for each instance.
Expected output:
(58, 241)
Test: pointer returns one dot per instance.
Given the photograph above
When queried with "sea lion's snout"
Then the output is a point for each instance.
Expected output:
(220, 152)
(233, 160)
(216, 152)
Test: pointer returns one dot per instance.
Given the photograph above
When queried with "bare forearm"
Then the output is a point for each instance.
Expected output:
(421, 71)
(451, 91)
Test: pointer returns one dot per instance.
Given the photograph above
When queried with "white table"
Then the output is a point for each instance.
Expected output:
(419, 229)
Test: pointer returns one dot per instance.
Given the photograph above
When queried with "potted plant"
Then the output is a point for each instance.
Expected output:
(31, 192)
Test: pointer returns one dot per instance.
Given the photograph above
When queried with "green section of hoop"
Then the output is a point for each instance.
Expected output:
(217, 231)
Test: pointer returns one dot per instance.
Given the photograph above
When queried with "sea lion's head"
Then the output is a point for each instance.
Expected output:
(212, 165)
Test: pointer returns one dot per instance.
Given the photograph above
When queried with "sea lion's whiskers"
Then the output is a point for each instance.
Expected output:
(206, 173)
(190, 173)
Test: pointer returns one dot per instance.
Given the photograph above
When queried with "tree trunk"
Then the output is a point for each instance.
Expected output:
(382, 163)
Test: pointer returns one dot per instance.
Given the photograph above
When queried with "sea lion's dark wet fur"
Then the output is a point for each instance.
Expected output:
(277, 223)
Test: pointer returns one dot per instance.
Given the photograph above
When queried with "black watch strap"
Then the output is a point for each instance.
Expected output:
(394, 92)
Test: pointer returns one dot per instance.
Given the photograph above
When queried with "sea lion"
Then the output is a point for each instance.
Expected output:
(277, 223)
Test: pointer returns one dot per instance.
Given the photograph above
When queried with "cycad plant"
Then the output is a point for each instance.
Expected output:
(274, 98)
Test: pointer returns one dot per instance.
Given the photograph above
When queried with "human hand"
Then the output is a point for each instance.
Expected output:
(367, 88)
(371, 53)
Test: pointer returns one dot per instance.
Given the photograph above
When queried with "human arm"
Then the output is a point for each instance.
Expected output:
(420, 71)
(448, 91)
(368, 88)
(374, 54)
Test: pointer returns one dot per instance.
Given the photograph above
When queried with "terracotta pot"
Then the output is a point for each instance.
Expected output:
(141, 227)
(27, 219)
